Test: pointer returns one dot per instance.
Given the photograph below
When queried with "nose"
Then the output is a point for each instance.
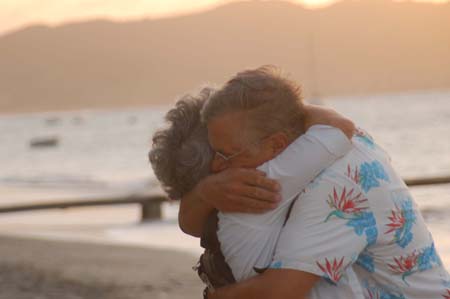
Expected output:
(218, 164)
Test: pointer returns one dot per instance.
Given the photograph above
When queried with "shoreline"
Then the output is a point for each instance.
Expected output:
(107, 253)
(68, 269)
(92, 254)
(32, 267)
(121, 226)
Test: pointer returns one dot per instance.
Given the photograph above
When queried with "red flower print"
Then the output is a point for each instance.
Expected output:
(404, 265)
(332, 271)
(353, 174)
(373, 294)
(347, 202)
(447, 296)
(397, 220)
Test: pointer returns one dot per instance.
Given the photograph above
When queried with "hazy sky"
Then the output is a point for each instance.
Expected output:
(18, 13)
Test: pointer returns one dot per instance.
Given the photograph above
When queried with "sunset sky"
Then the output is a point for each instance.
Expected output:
(18, 13)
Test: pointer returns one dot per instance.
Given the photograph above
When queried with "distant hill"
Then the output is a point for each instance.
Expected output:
(360, 47)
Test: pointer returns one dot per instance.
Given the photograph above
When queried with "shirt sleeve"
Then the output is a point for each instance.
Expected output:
(306, 157)
(330, 225)
(296, 167)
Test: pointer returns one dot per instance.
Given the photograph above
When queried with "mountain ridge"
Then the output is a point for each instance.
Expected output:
(348, 48)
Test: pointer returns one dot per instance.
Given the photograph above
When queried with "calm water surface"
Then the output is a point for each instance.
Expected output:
(107, 150)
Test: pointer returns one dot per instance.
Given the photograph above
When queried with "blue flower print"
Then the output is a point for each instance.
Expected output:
(370, 175)
(415, 261)
(352, 207)
(365, 260)
(365, 138)
(378, 291)
(366, 224)
(276, 265)
(401, 221)
(428, 258)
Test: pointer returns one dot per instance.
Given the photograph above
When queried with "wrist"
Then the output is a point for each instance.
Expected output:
(308, 116)
(200, 191)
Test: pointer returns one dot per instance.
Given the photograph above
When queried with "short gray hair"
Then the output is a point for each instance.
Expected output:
(180, 154)
(272, 102)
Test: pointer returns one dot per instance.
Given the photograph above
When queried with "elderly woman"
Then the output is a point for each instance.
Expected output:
(181, 158)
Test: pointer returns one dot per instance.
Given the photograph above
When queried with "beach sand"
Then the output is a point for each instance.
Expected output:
(42, 269)
(106, 252)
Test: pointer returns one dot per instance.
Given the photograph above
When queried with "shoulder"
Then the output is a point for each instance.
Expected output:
(365, 167)
(319, 140)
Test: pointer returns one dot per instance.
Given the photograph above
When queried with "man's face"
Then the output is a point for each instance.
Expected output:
(227, 137)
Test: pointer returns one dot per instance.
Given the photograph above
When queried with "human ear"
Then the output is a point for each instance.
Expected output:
(278, 142)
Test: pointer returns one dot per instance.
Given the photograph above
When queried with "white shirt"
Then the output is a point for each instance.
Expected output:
(358, 218)
(249, 240)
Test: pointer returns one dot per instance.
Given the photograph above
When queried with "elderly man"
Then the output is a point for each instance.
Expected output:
(356, 220)
(181, 156)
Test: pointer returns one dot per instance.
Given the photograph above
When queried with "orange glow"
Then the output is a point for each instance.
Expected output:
(19, 13)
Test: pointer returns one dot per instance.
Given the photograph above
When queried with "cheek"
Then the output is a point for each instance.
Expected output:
(264, 155)
(252, 160)
(244, 161)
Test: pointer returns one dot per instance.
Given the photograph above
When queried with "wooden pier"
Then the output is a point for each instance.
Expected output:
(428, 181)
(151, 203)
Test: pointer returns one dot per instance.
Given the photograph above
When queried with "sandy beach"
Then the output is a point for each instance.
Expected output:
(32, 268)
(107, 252)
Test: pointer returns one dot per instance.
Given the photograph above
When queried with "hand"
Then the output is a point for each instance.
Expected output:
(240, 190)
(327, 116)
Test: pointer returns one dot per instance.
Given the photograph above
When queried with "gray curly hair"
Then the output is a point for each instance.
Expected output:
(180, 154)
(272, 102)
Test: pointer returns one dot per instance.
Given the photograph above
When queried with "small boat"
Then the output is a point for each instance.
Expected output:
(52, 121)
(77, 120)
(132, 120)
(47, 141)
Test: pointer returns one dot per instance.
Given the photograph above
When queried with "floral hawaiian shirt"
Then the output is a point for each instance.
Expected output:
(358, 218)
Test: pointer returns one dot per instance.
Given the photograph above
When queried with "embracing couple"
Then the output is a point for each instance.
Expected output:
(291, 200)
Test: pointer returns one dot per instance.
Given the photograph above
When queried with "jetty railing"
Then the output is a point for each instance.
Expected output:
(428, 181)
(151, 203)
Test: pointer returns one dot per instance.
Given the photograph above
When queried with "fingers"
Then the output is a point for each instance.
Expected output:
(259, 194)
(258, 178)
(348, 127)
(266, 183)
(241, 190)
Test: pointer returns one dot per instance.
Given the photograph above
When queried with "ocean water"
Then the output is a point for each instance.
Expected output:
(105, 152)
(96, 149)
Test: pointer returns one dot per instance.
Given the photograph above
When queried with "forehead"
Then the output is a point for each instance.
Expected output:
(225, 131)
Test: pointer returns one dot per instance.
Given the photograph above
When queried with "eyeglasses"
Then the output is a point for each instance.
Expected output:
(227, 158)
